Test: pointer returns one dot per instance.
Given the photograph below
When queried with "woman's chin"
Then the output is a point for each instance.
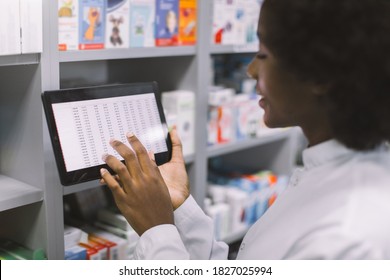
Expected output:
(272, 122)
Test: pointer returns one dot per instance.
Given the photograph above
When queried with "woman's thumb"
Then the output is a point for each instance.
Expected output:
(177, 149)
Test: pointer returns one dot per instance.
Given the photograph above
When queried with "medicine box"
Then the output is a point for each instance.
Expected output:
(117, 24)
(179, 107)
(142, 23)
(167, 22)
(68, 25)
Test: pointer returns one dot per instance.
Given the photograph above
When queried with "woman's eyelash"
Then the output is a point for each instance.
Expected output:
(261, 56)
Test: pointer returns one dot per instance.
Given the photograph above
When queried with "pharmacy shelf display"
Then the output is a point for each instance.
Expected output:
(236, 146)
(32, 198)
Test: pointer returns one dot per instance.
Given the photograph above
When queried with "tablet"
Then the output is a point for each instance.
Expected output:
(82, 121)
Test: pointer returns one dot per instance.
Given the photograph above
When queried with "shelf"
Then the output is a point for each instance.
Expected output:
(231, 238)
(221, 149)
(15, 193)
(20, 59)
(81, 187)
(228, 49)
(107, 54)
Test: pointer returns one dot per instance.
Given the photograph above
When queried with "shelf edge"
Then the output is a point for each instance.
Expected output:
(221, 149)
(19, 59)
(15, 193)
(80, 187)
(130, 53)
(232, 49)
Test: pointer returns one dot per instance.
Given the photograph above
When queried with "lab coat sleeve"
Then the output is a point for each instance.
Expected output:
(196, 230)
(192, 237)
(329, 244)
(161, 242)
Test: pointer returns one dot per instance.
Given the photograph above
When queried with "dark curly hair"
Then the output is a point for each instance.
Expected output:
(344, 46)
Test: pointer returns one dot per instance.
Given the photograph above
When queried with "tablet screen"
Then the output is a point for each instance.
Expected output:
(83, 120)
(94, 122)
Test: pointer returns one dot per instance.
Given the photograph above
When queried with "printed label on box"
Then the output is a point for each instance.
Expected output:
(68, 25)
(187, 22)
(117, 24)
(142, 23)
(167, 21)
(92, 24)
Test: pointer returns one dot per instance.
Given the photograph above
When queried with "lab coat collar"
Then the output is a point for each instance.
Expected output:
(324, 152)
(331, 150)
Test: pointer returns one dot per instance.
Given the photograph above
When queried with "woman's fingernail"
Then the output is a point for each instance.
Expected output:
(112, 140)
(104, 157)
(129, 134)
(103, 171)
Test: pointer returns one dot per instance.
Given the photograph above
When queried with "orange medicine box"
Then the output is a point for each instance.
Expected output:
(112, 247)
(187, 22)
(92, 253)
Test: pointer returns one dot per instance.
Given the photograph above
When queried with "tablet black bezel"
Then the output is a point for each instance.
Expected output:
(89, 93)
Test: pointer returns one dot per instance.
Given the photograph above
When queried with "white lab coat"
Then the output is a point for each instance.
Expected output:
(336, 207)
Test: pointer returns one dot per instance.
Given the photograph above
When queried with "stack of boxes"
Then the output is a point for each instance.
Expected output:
(95, 229)
(233, 117)
(100, 24)
(235, 22)
(238, 202)
(110, 237)
(179, 109)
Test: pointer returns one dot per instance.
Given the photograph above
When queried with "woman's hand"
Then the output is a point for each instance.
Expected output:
(175, 174)
(139, 189)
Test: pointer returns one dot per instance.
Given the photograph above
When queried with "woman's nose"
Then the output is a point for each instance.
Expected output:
(253, 68)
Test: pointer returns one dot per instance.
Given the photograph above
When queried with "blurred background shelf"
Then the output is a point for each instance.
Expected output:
(230, 49)
(15, 193)
(96, 55)
(270, 137)
(81, 187)
(37, 215)
(20, 59)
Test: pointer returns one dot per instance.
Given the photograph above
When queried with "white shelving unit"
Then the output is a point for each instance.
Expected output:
(31, 196)
(229, 49)
(270, 137)
(21, 59)
(95, 55)
(15, 193)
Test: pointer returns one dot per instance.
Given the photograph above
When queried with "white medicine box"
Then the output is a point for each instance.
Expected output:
(179, 108)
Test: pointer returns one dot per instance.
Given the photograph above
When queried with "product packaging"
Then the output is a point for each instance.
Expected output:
(117, 24)
(179, 107)
(167, 22)
(68, 25)
(187, 22)
(142, 23)
(91, 24)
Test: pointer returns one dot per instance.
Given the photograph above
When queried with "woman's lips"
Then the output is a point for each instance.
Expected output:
(262, 102)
